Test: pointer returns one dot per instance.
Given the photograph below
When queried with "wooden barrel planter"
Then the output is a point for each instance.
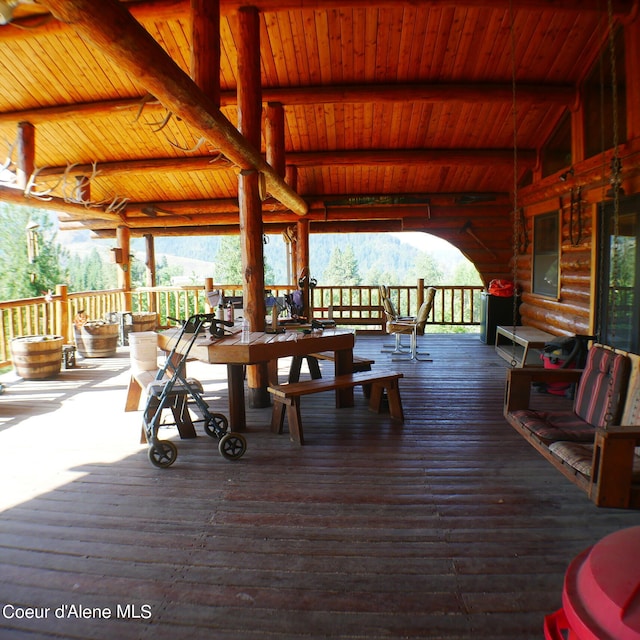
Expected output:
(144, 321)
(37, 357)
(97, 339)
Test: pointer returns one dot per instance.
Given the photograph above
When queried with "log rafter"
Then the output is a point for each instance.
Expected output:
(134, 50)
(441, 213)
(406, 157)
(562, 95)
(175, 9)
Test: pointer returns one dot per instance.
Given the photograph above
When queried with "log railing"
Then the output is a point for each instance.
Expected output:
(356, 306)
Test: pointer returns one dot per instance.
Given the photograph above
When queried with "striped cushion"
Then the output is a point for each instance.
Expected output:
(550, 426)
(575, 454)
(579, 456)
(603, 385)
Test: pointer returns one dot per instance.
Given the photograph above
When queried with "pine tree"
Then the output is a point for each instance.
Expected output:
(24, 275)
(229, 263)
(342, 268)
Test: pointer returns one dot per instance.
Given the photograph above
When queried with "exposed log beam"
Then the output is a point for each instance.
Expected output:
(440, 157)
(78, 211)
(393, 157)
(364, 226)
(225, 211)
(134, 50)
(448, 229)
(563, 95)
(435, 216)
(175, 9)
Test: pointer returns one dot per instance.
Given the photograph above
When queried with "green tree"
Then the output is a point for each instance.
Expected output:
(91, 273)
(428, 268)
(466, 274)
(164, 273)
(229, 263)
(342, 268)
(24, 275)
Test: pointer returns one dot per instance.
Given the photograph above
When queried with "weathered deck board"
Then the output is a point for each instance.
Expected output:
(449, 526)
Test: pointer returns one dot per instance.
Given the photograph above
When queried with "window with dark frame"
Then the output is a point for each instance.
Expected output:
(597, 97)
(546, 255)
(619, 275)
(556, 153)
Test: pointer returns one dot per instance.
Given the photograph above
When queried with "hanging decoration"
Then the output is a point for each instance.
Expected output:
(33, 245)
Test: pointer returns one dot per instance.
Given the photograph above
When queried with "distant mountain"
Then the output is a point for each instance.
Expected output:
(375, 253)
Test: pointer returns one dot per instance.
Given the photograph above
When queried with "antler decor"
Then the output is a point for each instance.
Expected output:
(8, 177)
(112, 203)
(161, 124)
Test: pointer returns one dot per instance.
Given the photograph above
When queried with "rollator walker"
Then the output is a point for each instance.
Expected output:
(171, 389)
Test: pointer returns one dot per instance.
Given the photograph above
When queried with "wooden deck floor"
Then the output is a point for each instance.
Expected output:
(450, 526)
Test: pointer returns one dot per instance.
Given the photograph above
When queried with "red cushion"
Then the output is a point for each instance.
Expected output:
(603, 386)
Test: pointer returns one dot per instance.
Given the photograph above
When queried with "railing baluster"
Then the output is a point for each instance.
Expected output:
(457, 305)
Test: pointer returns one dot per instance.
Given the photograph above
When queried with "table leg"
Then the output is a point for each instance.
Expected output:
(344, 364)
(235, 383)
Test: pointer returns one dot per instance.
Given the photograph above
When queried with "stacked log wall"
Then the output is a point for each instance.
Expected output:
(574, 309)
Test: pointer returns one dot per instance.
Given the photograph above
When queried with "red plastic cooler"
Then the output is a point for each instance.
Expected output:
(601, 595)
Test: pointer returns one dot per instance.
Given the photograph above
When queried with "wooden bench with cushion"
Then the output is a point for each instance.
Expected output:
(588, 444)
(286, 397)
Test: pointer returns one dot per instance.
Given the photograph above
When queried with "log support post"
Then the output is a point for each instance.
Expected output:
(291, 178)
(303, 260)
(62, 314)
(205, 47)
(249, 201)
(274, 137)
(208, 288)
(124, 267)
(150, 264)
(26, 153)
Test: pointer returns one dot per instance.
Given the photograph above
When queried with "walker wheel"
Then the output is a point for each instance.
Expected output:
(232, 446)
(162, 454)
(216, 425)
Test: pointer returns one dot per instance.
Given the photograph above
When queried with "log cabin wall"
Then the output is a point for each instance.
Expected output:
(574, 310)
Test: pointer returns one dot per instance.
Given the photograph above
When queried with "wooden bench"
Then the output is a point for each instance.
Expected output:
(138, 383)
(146, 381)
(286, 397)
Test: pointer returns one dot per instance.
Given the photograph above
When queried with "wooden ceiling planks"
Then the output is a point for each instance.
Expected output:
(323, 46)
(228, 56)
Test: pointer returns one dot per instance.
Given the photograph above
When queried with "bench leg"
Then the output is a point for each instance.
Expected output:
(314, 367)
(393, 397)
(375, 397)
(134, 393)
(294, 371)
(183, 418)
(296, 364)
(395, 402)
(277, 416)
(295, 421)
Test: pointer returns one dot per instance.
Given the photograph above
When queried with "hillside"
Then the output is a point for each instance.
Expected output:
(377, 255)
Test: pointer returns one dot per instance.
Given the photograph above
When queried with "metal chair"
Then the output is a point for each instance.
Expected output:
(414, 327)
(391, 315)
